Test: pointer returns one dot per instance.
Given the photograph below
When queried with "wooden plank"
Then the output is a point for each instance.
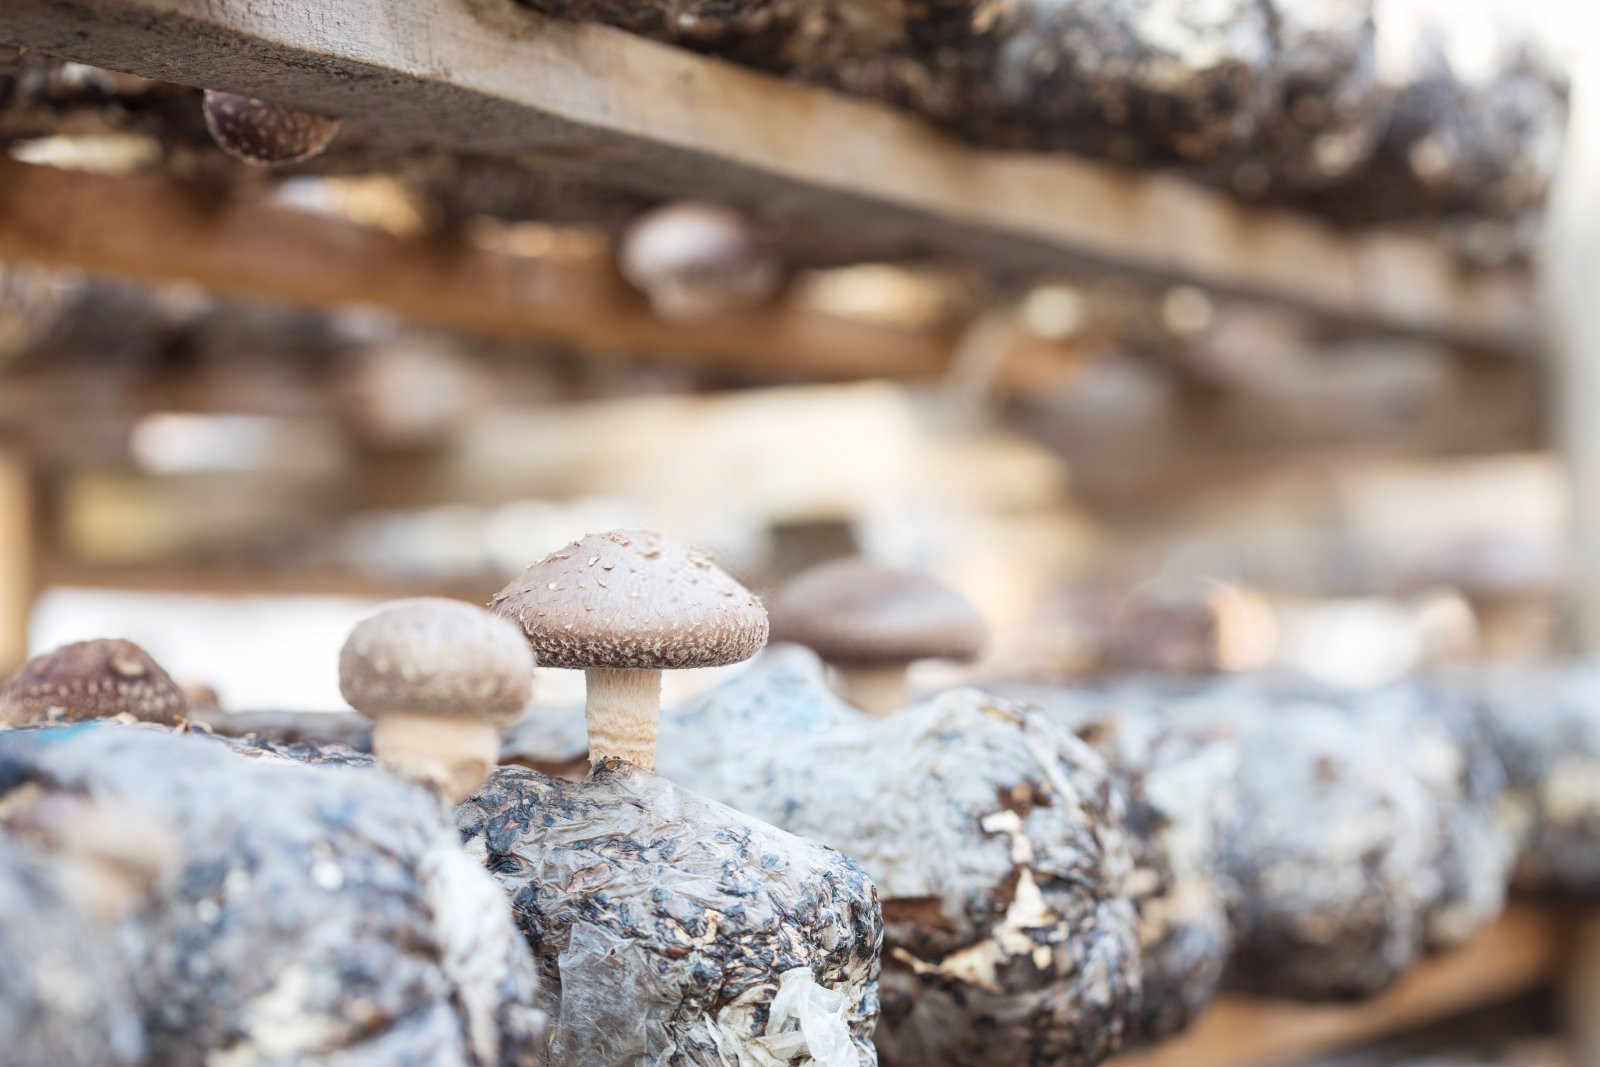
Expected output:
(57, 569)
(16, 557)
(486, 75)
(152, 227)
(1522, 950)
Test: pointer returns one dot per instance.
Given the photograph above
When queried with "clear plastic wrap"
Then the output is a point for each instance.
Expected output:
(996, 840)
(322, 912)
(662, 921)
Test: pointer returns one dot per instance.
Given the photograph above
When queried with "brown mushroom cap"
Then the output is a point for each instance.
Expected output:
(432, 656)
(92, 680)
(632, 599)
(264, 134)
(857, 614)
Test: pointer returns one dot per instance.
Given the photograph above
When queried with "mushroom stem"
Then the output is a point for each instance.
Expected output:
(878, 691)
(623, 706)
(451, 755)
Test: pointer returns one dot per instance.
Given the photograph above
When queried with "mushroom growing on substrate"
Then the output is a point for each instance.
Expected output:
(440, 679)
(622, 607)
(697, 261)
(92, 680)
(873, 622)
(998, 843)
(265, 134)
(307, 913)
(670, 929)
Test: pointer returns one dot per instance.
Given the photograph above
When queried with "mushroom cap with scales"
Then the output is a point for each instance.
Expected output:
(92, 680)
(264, 134)
(433, 656)
(854, 613)
(633, 599)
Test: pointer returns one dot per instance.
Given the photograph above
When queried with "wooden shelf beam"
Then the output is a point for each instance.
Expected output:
(1525, 948)
(156, 228)
(489, 76)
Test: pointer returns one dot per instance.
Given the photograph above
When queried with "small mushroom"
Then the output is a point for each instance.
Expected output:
(873, 622)
(697, 261)
(440, 679)
(92, 680)
(264, 134)
(622, 607)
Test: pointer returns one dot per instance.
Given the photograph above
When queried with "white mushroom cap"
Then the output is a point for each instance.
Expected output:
(437, 657)
(263, 134)
(696, 260)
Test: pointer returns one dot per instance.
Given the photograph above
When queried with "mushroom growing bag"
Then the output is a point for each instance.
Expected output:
(670, 929)
(320, 913)
(998, 844)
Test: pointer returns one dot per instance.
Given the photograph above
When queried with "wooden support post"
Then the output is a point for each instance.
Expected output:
(1571, 286)
(1571, 290)
(1580, 993)
(16, 557)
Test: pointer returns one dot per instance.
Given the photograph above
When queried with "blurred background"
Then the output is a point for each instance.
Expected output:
(1186, 339)
(230, 464)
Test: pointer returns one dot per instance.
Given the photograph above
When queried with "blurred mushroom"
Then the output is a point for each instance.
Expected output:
(622, 607)
(407, 396)
(202, 697)
(440, 679)
(92, 680)
(1187, 626)
(697, 261)
(873, 622)
(263, 134)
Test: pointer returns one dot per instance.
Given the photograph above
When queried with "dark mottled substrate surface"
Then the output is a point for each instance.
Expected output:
(305, 914)
(1358, 830)
(346, 728)
(1179, 783)
(997, 842)
(662, 921)
(1545, 724)
(67, 999)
